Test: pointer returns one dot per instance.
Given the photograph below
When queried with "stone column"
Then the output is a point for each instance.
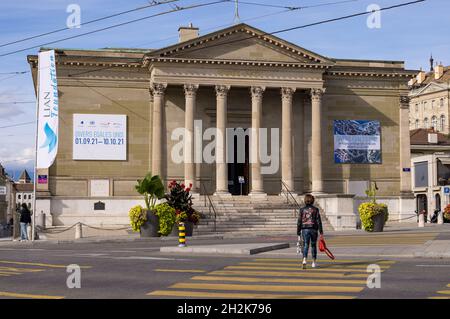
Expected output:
(316, 123)
(221, 162)
(158, 136)
(257, 187)
(405, 155)
(190, 93)
(287, 160)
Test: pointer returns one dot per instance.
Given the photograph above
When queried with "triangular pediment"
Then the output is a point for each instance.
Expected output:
(431, 88)
(241, 43)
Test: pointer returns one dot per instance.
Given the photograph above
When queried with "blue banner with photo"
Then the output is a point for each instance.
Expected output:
(357, 142)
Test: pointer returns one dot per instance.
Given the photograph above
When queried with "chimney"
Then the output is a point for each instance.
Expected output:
(187, 33)
(431, 63)
(421, 77)
(438, 71)
(432, 138)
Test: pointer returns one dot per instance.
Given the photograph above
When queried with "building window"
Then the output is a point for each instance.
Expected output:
(434, 122)
(29, 196)
(442, 124)
(417, 108)
(19, 196)
(425, 122)
(432, 105)
(424, 106)
(29, 206)
(417, 124)
(441, 103)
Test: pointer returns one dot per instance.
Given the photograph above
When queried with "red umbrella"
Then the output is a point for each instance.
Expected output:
(323, 247)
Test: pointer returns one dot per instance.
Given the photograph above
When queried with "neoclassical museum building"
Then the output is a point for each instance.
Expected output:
(319, 124)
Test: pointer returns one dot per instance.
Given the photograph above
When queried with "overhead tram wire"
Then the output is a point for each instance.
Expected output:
(309, 25)
(154, 4)
(287, 9)
(274, 32)
(119, 25)
(271, 33)
(294, 7)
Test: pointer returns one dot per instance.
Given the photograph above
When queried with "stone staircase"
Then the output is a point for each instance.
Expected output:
(244, 214)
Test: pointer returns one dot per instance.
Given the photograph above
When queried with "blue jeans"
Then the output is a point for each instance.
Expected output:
(309, 236)
(23, 231)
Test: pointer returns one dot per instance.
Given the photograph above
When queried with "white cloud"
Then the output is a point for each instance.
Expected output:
(14, 156)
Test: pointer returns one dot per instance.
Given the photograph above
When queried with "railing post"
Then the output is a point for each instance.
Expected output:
(78, 231)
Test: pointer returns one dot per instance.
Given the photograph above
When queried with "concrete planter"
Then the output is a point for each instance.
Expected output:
(151, 226)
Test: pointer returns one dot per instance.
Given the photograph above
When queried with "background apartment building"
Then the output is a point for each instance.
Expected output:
(429, 99)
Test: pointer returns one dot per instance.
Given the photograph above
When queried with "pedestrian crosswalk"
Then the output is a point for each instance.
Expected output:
(273, 278)
(442, 294)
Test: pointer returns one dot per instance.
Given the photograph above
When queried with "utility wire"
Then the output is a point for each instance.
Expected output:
(294, 7)
(154, 4)
(308, 25)
(119, 25)
(17, 72)
(18, 124)
(15, 102)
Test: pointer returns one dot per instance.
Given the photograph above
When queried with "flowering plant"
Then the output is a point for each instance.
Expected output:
(447, 212)
(179, 197)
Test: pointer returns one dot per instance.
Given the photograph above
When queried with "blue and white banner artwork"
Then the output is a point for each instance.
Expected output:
(48, 110)
(100, 137)
(357, 142)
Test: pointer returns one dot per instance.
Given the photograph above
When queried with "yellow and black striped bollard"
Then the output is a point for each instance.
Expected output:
(181, 235)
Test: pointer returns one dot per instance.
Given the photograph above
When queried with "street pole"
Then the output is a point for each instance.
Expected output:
(33, 220)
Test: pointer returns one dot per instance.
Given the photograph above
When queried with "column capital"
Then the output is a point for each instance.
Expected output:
(257, 91)
(404, 102)
(316, 94)
(158, 89)
(222, 90)
(190, 89)
(287, 93)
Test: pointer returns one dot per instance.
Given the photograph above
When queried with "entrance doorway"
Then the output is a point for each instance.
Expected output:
(238, 166)
(422, 204)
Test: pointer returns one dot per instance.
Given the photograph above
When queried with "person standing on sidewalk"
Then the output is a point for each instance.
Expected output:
(25, 219)
(309, 224)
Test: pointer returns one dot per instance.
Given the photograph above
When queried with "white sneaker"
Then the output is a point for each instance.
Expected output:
(304, 263)
(314, 265)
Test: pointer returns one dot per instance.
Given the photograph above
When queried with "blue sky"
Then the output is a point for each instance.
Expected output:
(409, 34)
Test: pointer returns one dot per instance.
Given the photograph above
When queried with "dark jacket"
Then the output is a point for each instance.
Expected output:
(309, 218)
(25, 216)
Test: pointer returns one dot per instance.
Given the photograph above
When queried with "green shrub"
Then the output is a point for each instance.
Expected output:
(370, 209)
(167, 218)
(138, 216)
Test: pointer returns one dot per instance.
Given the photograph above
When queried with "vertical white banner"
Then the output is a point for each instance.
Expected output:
(48, 105)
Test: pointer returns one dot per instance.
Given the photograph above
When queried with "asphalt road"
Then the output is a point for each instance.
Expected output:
(139, 270)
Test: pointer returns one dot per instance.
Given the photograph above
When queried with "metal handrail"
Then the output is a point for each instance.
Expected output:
(289, 193)
(211, 205)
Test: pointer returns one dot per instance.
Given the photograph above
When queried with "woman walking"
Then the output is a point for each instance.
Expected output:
(25, 219)
(309, 224)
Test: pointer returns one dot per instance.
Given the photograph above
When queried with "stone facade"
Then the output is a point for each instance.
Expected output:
(430, 100)
(236, 77)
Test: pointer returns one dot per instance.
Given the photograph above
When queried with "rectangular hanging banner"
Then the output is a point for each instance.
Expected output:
(357, 142)
(48, 110)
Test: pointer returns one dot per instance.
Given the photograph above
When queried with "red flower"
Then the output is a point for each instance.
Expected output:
(188, 190)
(182, 185)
